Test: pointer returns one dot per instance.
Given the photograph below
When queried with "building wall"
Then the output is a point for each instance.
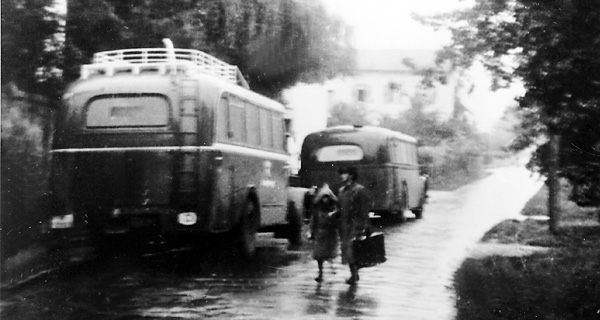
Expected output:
(379, 92)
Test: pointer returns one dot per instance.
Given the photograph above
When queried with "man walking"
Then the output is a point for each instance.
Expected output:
(354, 217)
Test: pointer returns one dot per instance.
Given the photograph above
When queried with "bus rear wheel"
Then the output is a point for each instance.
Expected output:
(248, 227)
(294, 227)
(402, 206)
(418, 212)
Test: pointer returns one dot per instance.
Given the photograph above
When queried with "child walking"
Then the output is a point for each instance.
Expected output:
(324, 226)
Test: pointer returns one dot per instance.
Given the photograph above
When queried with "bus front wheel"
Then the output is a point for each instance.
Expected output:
(248, 227)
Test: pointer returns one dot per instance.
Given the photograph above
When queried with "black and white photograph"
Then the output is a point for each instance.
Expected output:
(300, 159)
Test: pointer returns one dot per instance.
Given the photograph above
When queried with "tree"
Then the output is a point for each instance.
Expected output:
(30, 54)
(274, 43)
(347, 114)
(552, 48)
(426, 126)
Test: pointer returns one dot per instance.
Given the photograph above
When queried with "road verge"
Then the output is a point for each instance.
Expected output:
(557, 277)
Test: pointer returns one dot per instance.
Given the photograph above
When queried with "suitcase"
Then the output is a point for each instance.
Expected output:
(369, 251)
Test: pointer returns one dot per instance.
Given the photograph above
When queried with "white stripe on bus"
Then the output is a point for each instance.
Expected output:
(230, 148)
(118, 149)
(227, 148)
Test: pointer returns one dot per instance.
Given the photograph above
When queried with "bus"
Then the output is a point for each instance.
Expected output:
(169, 142)
(386, 161)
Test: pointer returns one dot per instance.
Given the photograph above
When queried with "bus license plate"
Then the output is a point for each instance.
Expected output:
(137, 222)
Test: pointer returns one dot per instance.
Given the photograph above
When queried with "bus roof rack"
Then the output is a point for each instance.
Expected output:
(161, 60)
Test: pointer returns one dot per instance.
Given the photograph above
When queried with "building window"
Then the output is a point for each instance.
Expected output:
(330, 97)
(392, 92)
(361, 95)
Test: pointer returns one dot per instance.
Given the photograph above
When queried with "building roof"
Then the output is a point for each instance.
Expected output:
(392, 60)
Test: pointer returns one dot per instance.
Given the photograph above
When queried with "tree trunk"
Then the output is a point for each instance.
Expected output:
(554, 185)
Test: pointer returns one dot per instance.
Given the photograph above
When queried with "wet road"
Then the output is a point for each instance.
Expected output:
(414, 283)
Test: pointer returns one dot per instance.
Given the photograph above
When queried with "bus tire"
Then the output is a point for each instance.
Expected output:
(400, 215)
(295, 222)
(418, 212)
(247, 229)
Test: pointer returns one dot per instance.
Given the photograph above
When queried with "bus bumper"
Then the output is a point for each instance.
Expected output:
(150, 222)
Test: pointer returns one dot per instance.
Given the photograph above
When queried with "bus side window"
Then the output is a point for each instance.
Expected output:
(252, 125)
(237, 120)
(406, 153)
(394, 152)
(400, 155)
(266, 130)
(278, 135)
(413, 149)
(223, 119)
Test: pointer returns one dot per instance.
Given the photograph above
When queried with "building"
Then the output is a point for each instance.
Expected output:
(383, 84)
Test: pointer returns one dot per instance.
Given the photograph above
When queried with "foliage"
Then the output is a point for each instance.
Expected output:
(450, 151)
(452, 163)
(31, 54)
(346, 114)
(26, 124)
(274, 43)
(563, 284)
(420, 123)
(552, 47)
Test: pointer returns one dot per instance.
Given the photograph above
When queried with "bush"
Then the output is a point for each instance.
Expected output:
(452, 163)
(25, 170)
(558, 285)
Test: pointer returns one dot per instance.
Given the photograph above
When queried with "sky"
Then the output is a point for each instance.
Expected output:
(387, 24)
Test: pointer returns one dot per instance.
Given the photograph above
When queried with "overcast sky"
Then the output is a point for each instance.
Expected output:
(387, 24)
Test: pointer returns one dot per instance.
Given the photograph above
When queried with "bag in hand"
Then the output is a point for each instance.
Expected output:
(369, 250)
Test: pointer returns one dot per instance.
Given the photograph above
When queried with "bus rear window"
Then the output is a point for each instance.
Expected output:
(127, 111)
(340, 153)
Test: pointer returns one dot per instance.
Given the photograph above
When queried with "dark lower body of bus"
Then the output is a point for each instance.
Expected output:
(392, 189)
(151, 195)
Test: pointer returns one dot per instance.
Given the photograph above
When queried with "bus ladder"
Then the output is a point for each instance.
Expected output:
(187, 178)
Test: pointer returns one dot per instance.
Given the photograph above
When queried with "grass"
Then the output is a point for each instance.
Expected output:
(561, 283)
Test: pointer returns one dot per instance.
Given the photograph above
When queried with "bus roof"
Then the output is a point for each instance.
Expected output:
(374, 144)
(163, 61)
(156, 83)
(115, 69)
(375, 132)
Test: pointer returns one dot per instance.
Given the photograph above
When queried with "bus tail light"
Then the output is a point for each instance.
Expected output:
(116, 212)
(218, 159)
(187, 218)
(62, 222)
